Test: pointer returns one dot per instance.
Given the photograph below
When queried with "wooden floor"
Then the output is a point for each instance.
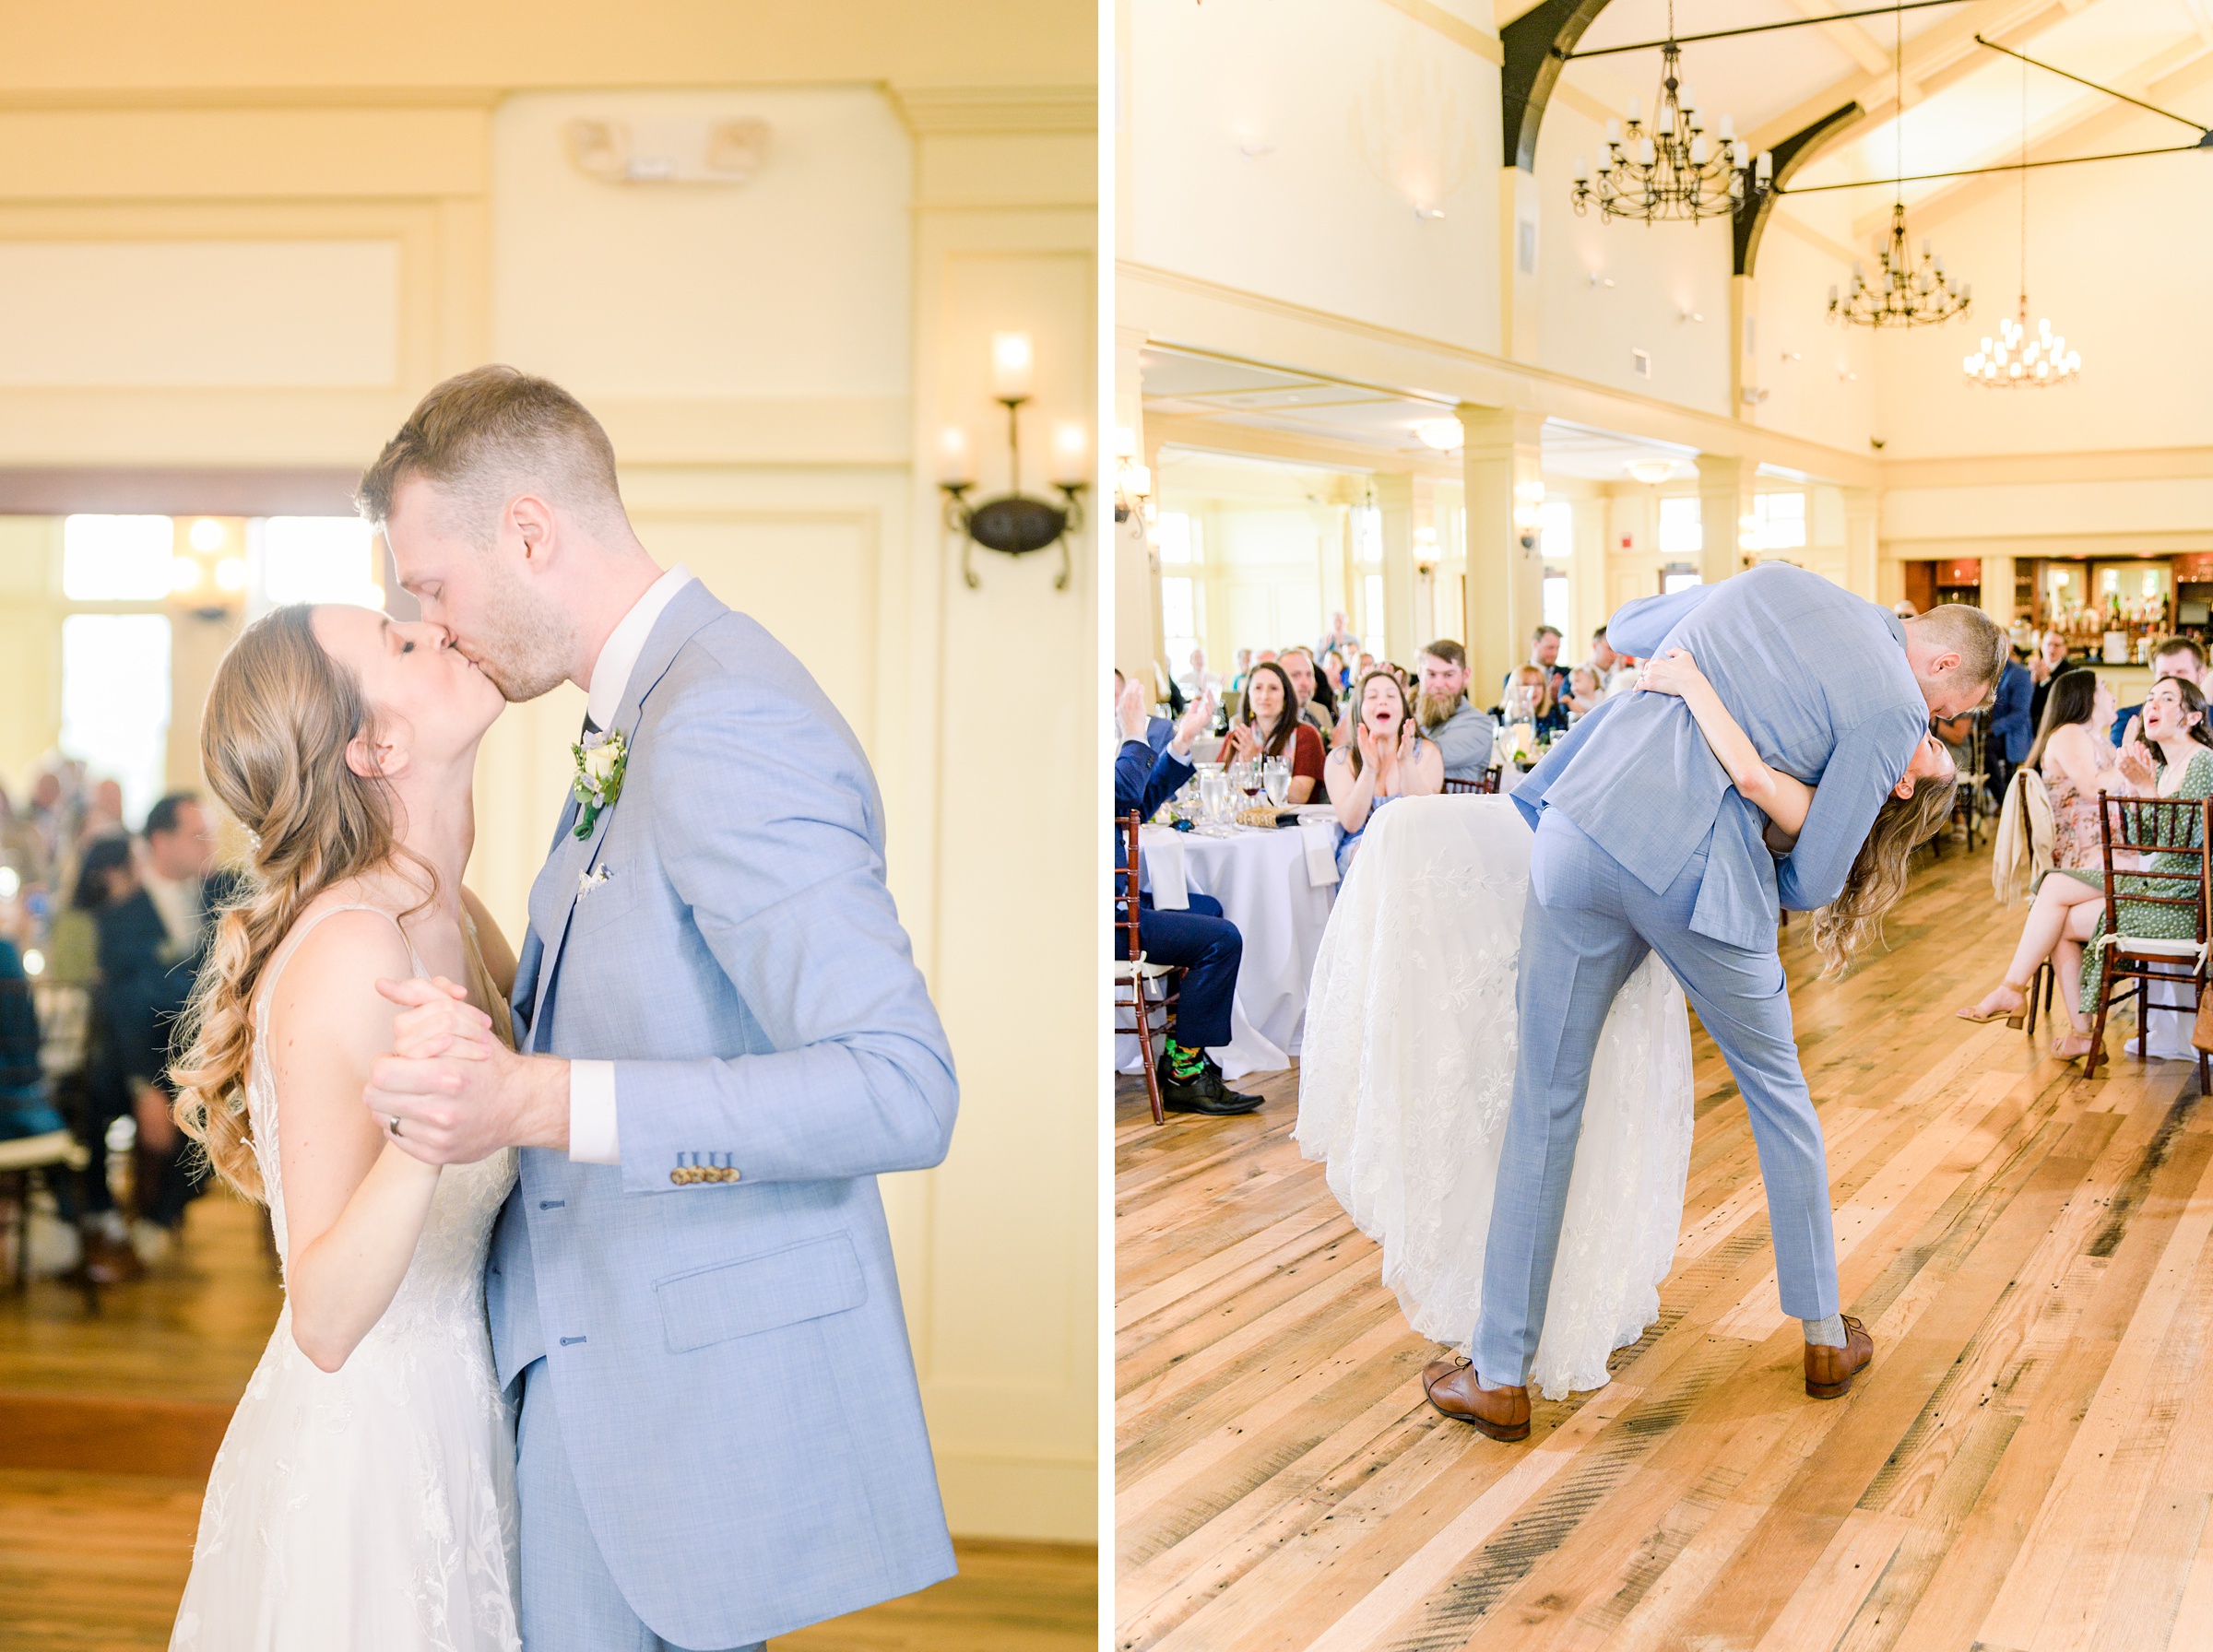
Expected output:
(107, 1424)
(2028, 1463)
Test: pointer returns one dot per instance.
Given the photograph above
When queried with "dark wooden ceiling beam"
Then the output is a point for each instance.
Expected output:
(1791, 154)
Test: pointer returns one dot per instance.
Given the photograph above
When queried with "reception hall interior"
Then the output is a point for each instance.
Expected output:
(771, 249)
(1443, 330)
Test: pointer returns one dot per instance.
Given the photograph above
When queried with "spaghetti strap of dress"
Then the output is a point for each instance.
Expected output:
(301, 930)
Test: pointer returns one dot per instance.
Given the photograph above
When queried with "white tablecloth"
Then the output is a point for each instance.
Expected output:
(1265, 886)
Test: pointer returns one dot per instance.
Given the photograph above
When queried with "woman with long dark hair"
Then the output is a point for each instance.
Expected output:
(1268, 725)
(2076, 762)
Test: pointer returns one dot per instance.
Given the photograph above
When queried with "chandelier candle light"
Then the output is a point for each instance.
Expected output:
(1909, 294)
(1668, 170)
(2016, 359)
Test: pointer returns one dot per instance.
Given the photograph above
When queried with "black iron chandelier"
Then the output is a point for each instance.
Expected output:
(1669, 170)
(1909, 294)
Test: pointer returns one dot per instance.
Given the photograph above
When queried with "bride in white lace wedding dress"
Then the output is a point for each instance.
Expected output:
(364, 1494)
(1408, 1068)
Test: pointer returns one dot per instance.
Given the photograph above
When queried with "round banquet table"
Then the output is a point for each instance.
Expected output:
(1271, 881)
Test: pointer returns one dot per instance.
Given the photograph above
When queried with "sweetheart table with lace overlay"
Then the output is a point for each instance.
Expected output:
(1407, 1072)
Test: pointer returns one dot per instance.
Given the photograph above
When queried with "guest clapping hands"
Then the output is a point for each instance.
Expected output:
(1268, 725)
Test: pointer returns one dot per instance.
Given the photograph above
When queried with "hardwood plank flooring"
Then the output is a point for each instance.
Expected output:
(2028, 1463)
(108, 1422)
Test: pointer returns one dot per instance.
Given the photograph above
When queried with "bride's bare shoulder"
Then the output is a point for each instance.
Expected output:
(325, 994)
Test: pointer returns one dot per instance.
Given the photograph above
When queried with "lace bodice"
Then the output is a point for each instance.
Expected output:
(445, 1283)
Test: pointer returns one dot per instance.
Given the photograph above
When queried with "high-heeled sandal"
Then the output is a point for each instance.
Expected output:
(2061, 1053)
(2013, 1018)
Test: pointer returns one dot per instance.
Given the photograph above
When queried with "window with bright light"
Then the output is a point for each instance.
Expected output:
(318, 559)
(1373, 632)
(1555, 601)
(1180, 619)
(1778, 521)
(115, 701)
(1677, 576)
(1367, 534)
(1178, 537)
(1555, 530)
(1679, 528)
(117, 559)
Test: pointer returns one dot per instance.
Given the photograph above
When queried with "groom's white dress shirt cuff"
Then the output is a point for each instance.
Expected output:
(592, 1139)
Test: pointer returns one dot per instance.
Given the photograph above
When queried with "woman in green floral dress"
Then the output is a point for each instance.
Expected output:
(2173, 758)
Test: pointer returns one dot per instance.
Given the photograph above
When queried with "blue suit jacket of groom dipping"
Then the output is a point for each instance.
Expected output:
(1818, 679)
(719, 1315)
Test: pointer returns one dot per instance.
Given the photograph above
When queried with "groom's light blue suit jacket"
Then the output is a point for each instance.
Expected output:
(719, 1315)
(1816, 677)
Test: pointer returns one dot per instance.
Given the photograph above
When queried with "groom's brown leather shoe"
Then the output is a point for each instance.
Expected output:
(1829, 1370)
(1502, 1413)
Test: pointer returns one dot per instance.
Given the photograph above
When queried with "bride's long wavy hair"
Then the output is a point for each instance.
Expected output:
(273, 740)
(1854, 921)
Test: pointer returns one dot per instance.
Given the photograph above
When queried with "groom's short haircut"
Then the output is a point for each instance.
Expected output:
(488, 434)
(1971, 634)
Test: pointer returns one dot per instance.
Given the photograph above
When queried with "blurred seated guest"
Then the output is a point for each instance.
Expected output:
(26, 1109)
(2067, 923)
(2011, 732)
(1340, 636)
(1236, 682)
(2050, 660)
(1530, 699)
(1198, 681)
(1544, 653)
(1387, 758)
(22, 847)
(2076, 765)
(49, 819)
(104, 814)
(1337, 674)
(1317, 702)
(1463, 734)
(1268, 725)
(1614, 673)
(106, 876)
(1197, 939)
(151, 948)
(1584, 690)
(2171, 656)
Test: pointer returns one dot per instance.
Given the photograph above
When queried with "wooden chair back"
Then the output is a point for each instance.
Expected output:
(1487, 787)
(1127, 878)
(2174, 828)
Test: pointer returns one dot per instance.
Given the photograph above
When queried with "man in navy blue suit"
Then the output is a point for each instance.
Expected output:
(1200, 940)
(2011, 732)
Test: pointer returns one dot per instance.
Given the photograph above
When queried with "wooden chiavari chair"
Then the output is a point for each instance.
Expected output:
(2172, 827)
(1487, 787)
(1134, 970)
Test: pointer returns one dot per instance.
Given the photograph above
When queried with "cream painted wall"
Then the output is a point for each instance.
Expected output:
(1282, 147)
(768, 360)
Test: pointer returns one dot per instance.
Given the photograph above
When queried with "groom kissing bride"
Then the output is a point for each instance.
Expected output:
(1778, 686)
(591, 1336)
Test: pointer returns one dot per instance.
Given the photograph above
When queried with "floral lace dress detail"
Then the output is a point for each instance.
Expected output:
(2076, 846)
(372, 1507)
(1407, 1075)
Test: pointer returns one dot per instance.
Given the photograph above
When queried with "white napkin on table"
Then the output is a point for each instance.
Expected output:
(1319, 837)
(1163, 852)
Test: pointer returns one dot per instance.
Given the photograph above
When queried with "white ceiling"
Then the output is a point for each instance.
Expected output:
(1203, 391)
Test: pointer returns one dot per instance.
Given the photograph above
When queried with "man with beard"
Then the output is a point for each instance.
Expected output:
(1462, 732)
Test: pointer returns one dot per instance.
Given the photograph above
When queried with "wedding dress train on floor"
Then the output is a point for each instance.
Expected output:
(1408, 1070)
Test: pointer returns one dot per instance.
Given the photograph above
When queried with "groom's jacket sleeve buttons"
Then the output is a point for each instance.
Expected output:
(685, 1175)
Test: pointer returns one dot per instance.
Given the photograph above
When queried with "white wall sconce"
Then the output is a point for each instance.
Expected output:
(1529, 512)
(1016, 524)
(1133, 480)
(670, 151)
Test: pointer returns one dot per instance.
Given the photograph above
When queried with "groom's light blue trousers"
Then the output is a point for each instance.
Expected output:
(1586, 927)
(570, 1602)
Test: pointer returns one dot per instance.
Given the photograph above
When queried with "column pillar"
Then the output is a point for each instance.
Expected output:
(1724, 500)
(1502, 470)
(1997, 590)
(1861, 548)
(1395, 505)
(1136, 585)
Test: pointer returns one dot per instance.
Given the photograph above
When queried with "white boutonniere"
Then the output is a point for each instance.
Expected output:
(600, 759)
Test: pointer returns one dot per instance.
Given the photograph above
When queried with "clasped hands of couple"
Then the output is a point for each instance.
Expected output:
(451, 1091)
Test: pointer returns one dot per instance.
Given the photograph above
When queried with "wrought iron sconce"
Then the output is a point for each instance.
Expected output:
(1015, 523)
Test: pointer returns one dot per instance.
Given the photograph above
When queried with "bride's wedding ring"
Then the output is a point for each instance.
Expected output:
(392, 1123)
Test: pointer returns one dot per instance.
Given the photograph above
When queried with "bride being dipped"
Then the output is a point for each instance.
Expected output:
(364, 1492)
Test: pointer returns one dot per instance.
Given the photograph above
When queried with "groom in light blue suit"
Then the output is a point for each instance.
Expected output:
(723, 1042)
(1643, 845)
